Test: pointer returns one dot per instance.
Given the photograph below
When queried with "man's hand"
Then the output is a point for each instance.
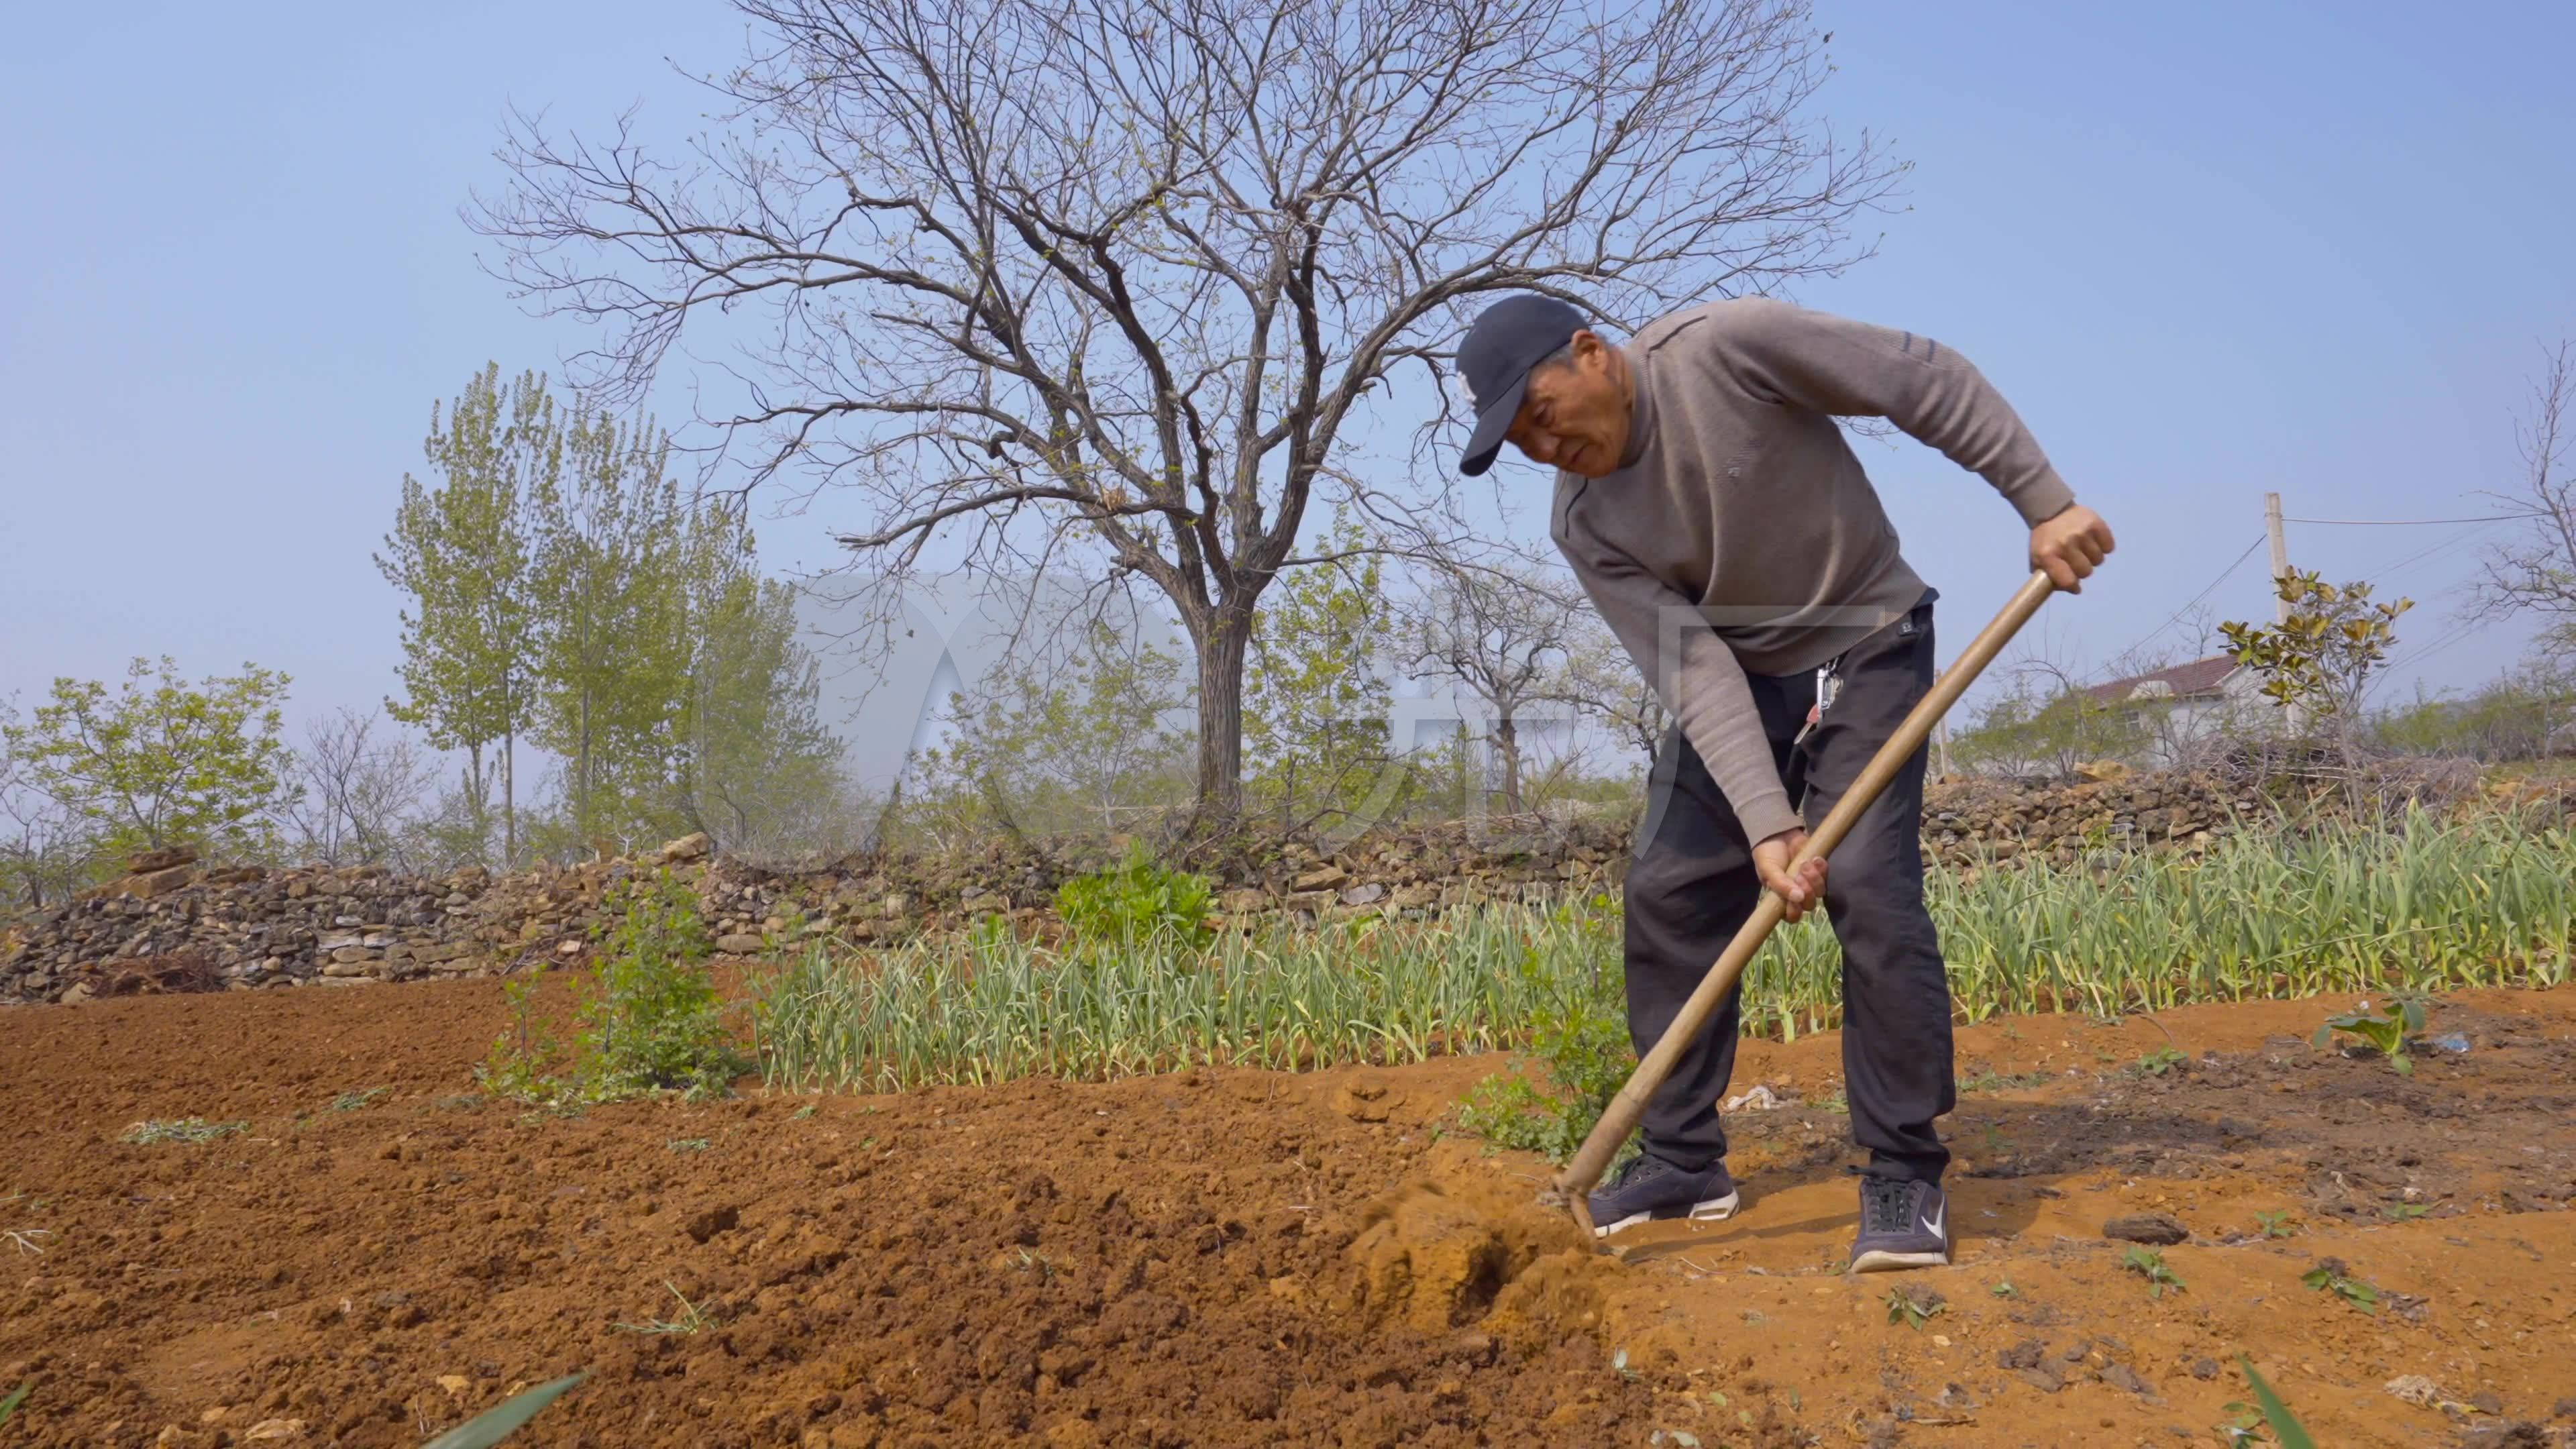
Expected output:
(1771, 862)
(2070, 546)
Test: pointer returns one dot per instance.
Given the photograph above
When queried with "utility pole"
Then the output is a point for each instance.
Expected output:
(2294, 716)
(2280, 555)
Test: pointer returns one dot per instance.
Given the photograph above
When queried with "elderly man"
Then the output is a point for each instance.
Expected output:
(1711, 507)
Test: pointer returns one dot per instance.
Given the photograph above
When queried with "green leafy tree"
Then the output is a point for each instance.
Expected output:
(2316, 664)
(460, 549)
(158, 762)
(609, 586)
(756, 755)
(1096, 739)
(1315, 699)
(46, 850)
(2048, 728)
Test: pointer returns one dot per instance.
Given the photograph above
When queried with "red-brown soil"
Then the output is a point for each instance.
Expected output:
(1242, 1258)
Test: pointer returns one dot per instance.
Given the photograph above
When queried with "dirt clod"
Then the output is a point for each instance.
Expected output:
(2160, 1229)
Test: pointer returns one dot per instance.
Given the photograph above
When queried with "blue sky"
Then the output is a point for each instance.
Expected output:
(2207, 249)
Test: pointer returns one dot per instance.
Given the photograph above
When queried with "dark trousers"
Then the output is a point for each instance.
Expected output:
(1691, 885)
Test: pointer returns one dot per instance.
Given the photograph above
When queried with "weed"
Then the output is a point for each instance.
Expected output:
(2275, 1224)
(688, 1144)
(184, 1129)
(1135, 901)
(461, 1102)
(2273, 1413)
(2384, 1030)
(2162, 1060)
(2149, 1264)
(351, 1101)
(1999, 1082)
(503, 1419)
(2328, 1276)
(691, 1319)
(1037, 1263)
(801, 1113)
(1585, 1046)
(653, 1022)
(9, 1405)
(2407, 1212)
(1914, 1307)
(2003, 1288)
(1838, 1104)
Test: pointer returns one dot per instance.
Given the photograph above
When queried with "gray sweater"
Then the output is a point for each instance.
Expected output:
(1739, 534)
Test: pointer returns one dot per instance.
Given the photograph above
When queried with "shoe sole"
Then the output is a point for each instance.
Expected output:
(1703, 1212)
(1879, 1260)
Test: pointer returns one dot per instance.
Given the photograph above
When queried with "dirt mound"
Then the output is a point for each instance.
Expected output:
(1467, 1248)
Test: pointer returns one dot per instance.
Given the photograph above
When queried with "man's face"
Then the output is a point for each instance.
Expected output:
(1575, 414)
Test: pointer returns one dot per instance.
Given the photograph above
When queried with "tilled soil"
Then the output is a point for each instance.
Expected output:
(1240, 1258)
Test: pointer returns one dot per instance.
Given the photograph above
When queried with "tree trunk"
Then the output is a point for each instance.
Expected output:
(1219, 642)
(1507, 738)
(509, 799)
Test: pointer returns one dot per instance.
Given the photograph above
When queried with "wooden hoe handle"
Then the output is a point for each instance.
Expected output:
(1577, 1180)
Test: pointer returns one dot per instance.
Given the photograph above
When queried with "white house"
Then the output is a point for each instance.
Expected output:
(2189, 703)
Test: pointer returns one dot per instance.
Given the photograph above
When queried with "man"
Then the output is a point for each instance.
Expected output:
(1711, 507)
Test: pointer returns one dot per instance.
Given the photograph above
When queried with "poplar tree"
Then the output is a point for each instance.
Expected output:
(460, 549)
(610, 538)
(1316, 701)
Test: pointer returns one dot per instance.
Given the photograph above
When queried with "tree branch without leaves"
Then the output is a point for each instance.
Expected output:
(1135, 273)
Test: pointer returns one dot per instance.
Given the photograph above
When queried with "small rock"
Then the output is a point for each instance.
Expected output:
(740, 943)
(1364, 895)
(2026, 1354)
(267, 1429)
(2415, 1389)
(688, 847)
(2487, 1401)
(2121, 1376)
(1321, 878)
(2204, 1369)
(2160, 1229)
(144, 862)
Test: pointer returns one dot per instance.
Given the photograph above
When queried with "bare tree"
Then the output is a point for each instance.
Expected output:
(1600, 683)
(359, 791)
(1130, 277)
(1503, 633)
(2537, 573)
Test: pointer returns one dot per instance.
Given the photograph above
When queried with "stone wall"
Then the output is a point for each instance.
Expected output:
(172, 924)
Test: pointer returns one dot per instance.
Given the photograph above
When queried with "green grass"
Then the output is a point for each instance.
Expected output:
(2418, 909)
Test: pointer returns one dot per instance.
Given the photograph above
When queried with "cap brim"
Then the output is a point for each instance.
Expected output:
(1491, 424)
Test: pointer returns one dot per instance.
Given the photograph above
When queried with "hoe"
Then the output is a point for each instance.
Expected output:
(1620, 1119)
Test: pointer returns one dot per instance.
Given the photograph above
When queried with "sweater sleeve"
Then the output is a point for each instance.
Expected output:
(1692, 671)
(1787, 354)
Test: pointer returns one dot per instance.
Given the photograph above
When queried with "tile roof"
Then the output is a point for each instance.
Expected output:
(2199, 677)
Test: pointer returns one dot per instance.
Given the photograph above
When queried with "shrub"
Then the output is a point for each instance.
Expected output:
(1134, 901)
(1583, 1044)
(651, 1017)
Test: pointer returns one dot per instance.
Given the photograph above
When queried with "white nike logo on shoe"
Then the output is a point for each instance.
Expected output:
(1932, 1224)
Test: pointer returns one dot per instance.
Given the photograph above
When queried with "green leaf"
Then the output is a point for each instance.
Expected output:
(502, 1420)
(9, 1405)
(2275, 1413)
(2404, 1064)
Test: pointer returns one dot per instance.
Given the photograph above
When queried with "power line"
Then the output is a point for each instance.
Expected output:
(2194, 602)
(2407, 522)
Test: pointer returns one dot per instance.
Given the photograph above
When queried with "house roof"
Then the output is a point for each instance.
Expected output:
(2183, 681)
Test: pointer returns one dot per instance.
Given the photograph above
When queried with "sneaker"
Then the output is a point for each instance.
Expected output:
(1902, 1225)
(1648, 1187)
